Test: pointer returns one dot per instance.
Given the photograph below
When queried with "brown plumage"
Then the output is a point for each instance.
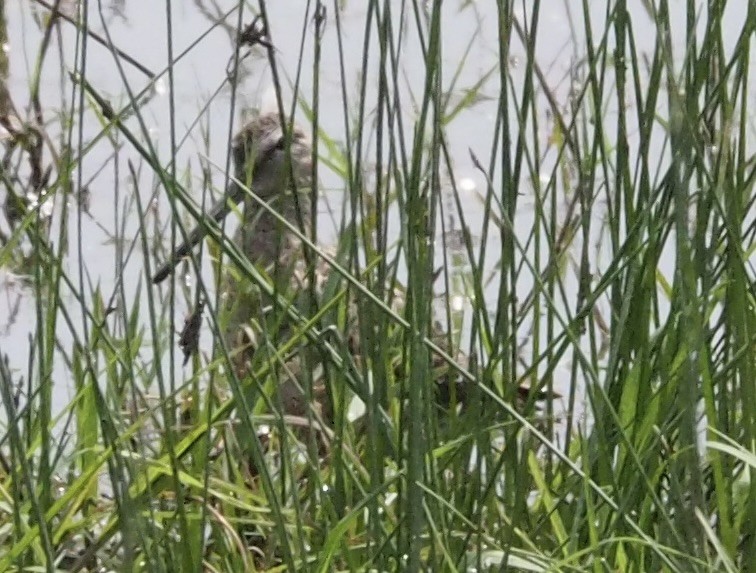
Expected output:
(278, 170)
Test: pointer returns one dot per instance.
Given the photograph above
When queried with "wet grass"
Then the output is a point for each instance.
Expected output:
(630, 292)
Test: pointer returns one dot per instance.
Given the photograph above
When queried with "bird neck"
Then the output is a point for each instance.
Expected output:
(266, 240)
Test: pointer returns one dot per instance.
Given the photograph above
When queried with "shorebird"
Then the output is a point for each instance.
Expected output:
(260, 159)
(277, 168)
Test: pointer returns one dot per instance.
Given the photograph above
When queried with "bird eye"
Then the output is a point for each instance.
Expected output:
(280, 144)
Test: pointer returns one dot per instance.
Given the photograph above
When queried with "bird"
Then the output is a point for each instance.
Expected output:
(276, 165)
(259, 153)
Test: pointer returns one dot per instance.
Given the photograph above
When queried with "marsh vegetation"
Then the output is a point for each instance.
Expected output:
(572, 244)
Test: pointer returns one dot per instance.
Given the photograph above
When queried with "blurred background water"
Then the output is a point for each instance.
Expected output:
(207, 111)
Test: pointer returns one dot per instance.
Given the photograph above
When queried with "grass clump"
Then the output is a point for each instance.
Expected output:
(607, 262)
